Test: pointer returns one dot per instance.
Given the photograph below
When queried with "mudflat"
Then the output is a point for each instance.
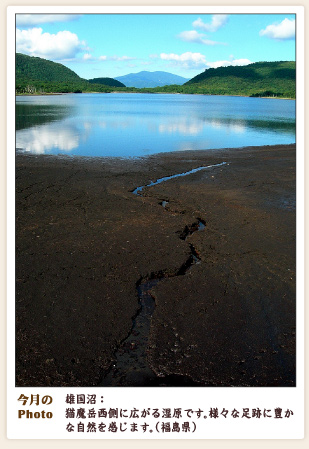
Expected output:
(89, 251)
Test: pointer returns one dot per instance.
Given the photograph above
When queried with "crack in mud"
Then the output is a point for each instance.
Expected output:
(130, 366)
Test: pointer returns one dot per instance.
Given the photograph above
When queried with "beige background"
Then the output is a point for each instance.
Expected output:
(115, 444)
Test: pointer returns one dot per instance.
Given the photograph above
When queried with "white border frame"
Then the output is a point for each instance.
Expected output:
(292, 397)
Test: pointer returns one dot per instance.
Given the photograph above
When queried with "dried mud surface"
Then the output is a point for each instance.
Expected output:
(84, 242)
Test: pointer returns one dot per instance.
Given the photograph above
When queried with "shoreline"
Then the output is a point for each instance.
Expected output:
(84, 241)
(179, 153)
(158, 93)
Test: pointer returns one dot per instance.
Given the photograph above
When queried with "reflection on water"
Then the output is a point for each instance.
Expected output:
(182, 126)
(132, 125)
(46, 138)
(28, 115)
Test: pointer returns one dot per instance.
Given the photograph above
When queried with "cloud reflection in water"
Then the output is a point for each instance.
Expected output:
(43, 139)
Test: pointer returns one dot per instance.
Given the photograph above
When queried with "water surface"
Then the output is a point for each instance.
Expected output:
(134, 125)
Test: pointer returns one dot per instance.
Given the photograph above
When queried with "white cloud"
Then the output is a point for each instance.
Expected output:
(116, 58)
(121, 58)
(194, 36)
(282, 30)
(87, 56)
(34, 42)
(29, 20)
(217, 21)
(186, 60)
(225, 63)
(190, 60)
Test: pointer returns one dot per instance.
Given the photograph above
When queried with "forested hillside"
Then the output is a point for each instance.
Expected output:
(257, 79)
(106, 82)
(38, 75)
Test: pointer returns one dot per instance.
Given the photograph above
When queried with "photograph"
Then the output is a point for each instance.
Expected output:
(155, 204)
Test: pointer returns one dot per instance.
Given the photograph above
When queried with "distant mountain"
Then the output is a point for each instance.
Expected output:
(257, 79)
(107, 82)
(151, 79)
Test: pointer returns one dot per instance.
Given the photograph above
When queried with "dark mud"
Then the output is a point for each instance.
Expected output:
(131, 366)
(89, 252)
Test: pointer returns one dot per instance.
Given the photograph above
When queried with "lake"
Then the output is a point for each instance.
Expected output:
(135, 125)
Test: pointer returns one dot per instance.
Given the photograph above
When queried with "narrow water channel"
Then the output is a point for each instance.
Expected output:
(178, 175)
(131, 367)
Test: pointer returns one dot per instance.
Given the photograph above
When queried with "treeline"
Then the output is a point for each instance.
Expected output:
(41, 88)
(45, 87)
(251, 91)
(262, 79)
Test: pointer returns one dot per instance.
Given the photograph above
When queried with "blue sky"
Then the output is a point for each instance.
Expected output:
(99, 45)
